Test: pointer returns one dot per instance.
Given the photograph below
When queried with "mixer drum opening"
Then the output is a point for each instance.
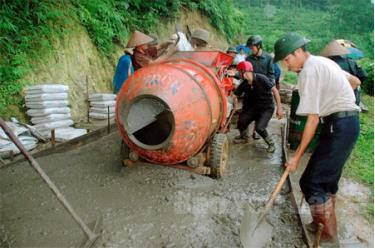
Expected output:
(149, 122)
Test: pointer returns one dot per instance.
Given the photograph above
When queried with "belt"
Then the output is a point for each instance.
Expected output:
(339, 115)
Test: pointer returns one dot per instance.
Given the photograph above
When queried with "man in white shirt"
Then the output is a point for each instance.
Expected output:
(326, 94)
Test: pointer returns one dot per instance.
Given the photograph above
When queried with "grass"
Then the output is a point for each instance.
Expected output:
(360, 166)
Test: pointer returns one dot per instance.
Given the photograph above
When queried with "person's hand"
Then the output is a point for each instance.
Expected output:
(279, 113)
(235, 100)
(292, 164)
(231, 72)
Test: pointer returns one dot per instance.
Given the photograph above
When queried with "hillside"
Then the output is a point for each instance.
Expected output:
(78, 42)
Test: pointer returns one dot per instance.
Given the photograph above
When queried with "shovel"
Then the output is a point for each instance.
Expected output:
(92, 237)
(254, 230)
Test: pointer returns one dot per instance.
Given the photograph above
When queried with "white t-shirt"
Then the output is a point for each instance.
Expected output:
(323, 88)
(238, 58)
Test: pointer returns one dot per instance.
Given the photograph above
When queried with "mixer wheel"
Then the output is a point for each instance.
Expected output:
(219, 154)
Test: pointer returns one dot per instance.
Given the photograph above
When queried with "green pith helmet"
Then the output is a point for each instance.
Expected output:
(254, 40)
(232, 50)
(287, 44)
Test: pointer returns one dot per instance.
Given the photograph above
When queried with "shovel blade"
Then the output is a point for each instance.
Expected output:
(254, 232)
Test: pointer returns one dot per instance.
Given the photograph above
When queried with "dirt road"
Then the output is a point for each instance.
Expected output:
(145, 205)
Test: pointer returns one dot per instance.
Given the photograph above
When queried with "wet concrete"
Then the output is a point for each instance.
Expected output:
(144, 205)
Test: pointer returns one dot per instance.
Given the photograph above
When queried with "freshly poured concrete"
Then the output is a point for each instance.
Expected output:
(145, 205)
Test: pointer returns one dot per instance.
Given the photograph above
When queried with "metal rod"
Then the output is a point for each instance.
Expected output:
(87, 99)
(109, 122)
(53, 139)
(91, 235)
(11, 155)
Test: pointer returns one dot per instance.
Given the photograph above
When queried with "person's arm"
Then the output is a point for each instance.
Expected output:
(308, 134)
(161, 48)
(271, 72)
(240, 89)
(353, 80)
(165, 56)
(279, 109)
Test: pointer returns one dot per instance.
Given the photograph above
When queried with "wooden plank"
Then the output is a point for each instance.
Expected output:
(296, 194)
(69, 145)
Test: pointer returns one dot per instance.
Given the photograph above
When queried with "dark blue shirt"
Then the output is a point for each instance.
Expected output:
(277, 70)
(262, 64)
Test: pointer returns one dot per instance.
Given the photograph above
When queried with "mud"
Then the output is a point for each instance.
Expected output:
(144, 205)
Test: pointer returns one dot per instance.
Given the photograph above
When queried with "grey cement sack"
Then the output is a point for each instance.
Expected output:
(50, 118)
(102, 97)
(65, 133)
(46, 97)
(23, 134)
(102, 104)
(7, 146)
(101, 116)
(47, 104)
(53, 125)
(103, 110)
(47, 111)
(46, 88)
(15, 128)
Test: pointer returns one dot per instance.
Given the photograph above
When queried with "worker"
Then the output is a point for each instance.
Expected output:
(261, 61)
(258, 103)
(200, 39)
(181, 41)
(228, 80)
(146, 51)
(326, 93)
(123, 70)
(241, 56)
(337, 53)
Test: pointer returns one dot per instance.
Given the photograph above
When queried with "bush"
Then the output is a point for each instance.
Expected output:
(27, 30)
(368, 85)
(290, 78)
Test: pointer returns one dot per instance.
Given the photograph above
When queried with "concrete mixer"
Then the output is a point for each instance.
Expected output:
(174, 113)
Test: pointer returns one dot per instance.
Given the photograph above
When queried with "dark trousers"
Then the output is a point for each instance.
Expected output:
(323, 171)
(357, 94)
(261, 118)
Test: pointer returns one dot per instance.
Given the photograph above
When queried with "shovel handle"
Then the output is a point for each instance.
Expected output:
(277, 189)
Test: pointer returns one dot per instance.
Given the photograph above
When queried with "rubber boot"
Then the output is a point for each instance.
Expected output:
(333, 197)
(312, 227)
(255, 136)
(271, 145)
(242, 138)
(325, 214)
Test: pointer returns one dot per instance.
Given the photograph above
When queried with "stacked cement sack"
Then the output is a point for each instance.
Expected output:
(49, 109)
(99, 104)
(7, 146)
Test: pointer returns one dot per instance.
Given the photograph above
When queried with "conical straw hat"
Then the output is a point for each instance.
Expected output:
(334, 49)
(201, 34)
(138, 38)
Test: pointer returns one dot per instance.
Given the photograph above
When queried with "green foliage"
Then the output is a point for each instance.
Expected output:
(290, 78)
(26, 32)
(361, 163)
(340, 19)
(272, 22)
(227, 19)
(111, 21)
(368, 85)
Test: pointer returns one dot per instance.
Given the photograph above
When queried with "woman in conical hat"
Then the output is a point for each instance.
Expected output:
(142, 54)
